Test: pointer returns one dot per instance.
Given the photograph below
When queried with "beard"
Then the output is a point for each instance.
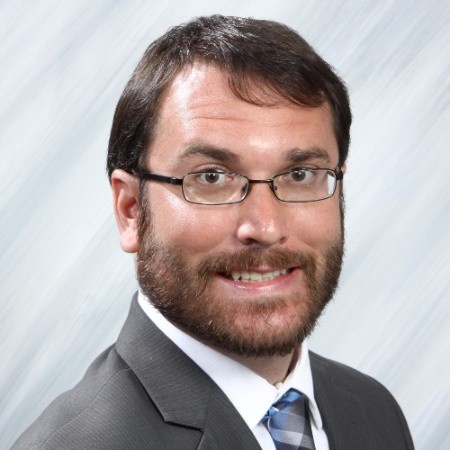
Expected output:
(263, 327)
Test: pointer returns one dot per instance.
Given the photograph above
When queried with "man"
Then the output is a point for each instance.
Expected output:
(226, 160)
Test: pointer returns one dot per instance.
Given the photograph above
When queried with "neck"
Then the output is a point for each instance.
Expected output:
(274, 369)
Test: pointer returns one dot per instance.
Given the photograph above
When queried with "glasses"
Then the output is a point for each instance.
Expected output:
(300, 185)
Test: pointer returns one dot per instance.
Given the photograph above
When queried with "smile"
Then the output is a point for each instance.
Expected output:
(258, 276)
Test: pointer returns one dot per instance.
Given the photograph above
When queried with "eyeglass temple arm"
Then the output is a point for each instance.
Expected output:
(155, 177)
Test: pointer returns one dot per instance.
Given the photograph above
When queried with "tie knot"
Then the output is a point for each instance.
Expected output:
(289, 397)
(288, 423)
(284, 403)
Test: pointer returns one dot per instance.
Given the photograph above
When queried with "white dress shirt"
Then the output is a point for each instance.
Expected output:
(251, 394)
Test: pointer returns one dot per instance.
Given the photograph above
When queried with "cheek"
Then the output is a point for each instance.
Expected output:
(319, 223)
(194, 228)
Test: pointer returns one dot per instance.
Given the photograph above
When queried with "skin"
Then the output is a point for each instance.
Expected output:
(200, 111)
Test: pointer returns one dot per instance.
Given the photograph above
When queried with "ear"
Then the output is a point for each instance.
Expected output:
(125, 190)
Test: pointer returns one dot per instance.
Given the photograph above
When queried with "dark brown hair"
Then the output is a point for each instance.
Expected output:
(253, 52)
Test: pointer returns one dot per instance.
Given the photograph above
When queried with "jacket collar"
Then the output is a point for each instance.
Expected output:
(342, 413)
(145, 349)
(180, 390)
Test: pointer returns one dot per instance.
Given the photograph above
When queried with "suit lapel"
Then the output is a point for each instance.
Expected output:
(180, 390)
(342, 413)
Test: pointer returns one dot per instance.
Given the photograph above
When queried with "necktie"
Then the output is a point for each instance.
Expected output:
(288, 423)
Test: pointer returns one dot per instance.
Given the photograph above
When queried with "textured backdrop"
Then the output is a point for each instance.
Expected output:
(65, 283)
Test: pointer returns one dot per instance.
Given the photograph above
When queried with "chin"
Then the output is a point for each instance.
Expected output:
(260, 328)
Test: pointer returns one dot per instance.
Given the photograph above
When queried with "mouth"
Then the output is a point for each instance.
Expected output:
(255, 277)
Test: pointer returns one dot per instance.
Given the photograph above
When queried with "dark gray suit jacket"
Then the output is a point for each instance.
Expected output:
(145, 393)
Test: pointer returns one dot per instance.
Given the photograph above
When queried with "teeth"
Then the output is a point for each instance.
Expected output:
(257, 276)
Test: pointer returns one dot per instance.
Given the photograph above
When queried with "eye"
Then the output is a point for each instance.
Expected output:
(212, 178)
(300, 175)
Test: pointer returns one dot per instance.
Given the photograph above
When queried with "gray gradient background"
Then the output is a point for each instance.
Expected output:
(65, 283)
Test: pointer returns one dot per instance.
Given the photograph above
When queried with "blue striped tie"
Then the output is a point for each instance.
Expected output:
(288, 423)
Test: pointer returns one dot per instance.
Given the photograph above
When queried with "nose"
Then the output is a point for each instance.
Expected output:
(262, 218)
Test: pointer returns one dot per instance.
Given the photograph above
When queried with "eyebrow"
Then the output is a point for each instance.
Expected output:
(217, 153)
(295, 155)
(298, 155)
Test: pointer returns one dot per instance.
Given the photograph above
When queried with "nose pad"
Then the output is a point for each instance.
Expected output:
(247, 189)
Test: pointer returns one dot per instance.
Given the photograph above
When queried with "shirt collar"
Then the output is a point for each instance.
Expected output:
(251, 394)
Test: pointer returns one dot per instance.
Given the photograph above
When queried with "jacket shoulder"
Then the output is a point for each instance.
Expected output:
(105, 369)
(107, 409)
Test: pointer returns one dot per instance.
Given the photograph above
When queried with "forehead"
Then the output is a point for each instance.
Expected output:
(200, 110)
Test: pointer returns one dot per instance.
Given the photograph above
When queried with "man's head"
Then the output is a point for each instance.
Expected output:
(253, 53)
(234, 96)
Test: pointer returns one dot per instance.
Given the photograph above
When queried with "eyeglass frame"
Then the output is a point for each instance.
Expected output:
(146, 175)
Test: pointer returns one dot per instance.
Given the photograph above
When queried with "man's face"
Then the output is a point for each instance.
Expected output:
(190, 255)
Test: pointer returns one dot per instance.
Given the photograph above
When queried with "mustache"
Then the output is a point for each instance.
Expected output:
(249, 259)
